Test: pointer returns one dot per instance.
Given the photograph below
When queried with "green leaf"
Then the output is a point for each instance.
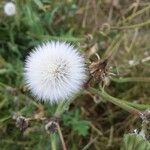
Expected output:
(39, 4)
(78, 125)
(135, 142)
(81, 127)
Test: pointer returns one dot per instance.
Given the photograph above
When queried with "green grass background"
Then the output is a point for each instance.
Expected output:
(119, 29)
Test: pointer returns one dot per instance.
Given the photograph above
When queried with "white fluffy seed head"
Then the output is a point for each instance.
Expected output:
(10, 9)
(54, 71)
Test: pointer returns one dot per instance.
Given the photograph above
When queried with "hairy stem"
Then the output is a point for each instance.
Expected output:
(116, 101)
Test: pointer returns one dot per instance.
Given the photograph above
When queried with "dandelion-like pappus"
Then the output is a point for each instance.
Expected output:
(55, 71)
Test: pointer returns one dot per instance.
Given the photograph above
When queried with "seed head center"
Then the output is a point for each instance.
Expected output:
(60, 70)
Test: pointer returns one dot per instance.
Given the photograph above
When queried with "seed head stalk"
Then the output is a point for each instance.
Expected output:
(62, 106)
(116, 101)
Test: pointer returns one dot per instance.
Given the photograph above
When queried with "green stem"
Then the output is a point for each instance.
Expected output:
(59, 109)
(53, 142)
(131, 79)
(116, 101)
(138, 106)
(63, 38)
(63, 105)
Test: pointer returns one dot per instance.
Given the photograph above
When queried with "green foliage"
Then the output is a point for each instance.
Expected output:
(135, 142)
(80, 22)
(77, 124)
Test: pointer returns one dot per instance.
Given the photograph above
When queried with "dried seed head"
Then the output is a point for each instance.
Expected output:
(51, 127)
(98, 72)
(21, 122)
